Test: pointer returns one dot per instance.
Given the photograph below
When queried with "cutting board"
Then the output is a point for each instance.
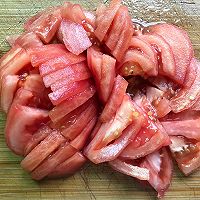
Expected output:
(93, 182)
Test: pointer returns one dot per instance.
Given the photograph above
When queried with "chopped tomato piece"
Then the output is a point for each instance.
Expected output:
(40, 55)
(71, 104)
(70, 72)
(74, 37)
(130, 169)
(42, 151)
(180, 44)
(46, 24)
(69, 167)
(186, 153)
(8, 91)
(57, 63)
(136, 63)
(113, 136)
(104, 23)
(66, 92)
(115, 99)
(61, 155)
(187, 97)
(160, 169)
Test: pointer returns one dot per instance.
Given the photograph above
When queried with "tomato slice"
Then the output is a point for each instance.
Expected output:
(180, 44)
(166, 59)
(66, 92)
(69, 167)
(186, 153)
(112, 137)
(57, 63)
(61, 155)
(80, 141)
(37, 137)
(104, 23)
(23, 121)
(42, 151)
(8, 91)
(136, 63)
(187, 97)
(46, 24)
(71, 104)
(71, 72)
(130, 168)
(40, 55)
(115, 99)
(188, 128)
(107, 77)
(150, 138)
(116, 28)
(139, 43)
(74, 37)
(160, 168)
(28, 40)
(72, 125)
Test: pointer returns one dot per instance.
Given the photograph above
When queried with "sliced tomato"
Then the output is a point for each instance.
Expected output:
(73, 125)
(180, 44)
(151, 137)
(40, 55)
(70, 72)
(80, 141)
(166, 58)
(186, 153)
(136, 63)
(142, 45)
(28, 40)
(42, 151)
(124, 39)
(66, 92)
(21, 123)
(157, 99)
(112, 137)
(57, 63)
(130, 168)
(191, 73)
(11, 39)
(71, 104)
(69, 167)
(187, 97)
(116, 28)
(14, 61)
(160, 169)
(45, 24)
(115, 99)
(8, 91)
(107, 77)
(37, 137)
(74, 37)
(104, 23)
(183, 124)
(61, 155)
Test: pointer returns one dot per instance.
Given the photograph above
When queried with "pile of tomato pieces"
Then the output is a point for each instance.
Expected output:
(78, 86)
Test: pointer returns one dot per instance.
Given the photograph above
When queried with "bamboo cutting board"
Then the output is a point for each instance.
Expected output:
(93, 182)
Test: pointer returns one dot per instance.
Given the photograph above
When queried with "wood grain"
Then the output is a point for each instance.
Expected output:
(93, 182)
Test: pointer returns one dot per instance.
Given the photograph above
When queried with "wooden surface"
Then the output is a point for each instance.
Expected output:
(93, 182)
